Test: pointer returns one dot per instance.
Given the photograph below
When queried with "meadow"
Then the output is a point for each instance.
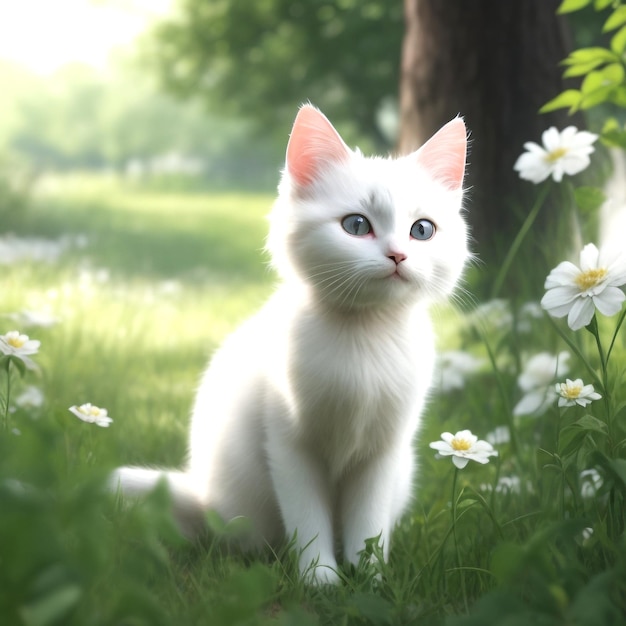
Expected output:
(129, 291)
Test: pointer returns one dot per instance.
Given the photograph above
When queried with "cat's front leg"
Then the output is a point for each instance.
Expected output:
(373, 497)
(303, 496)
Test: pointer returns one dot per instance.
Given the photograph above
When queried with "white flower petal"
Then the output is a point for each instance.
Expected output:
(460, 461)
(609, 302)
(574, 163)
(589, 257)
(563, 275)
(581, 313)
(551, 139)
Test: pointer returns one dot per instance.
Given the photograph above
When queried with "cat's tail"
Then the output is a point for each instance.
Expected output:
(188, 508)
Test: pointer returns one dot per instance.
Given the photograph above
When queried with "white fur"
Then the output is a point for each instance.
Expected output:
(305, 419)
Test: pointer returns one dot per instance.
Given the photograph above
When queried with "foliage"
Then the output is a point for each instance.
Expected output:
(84, 119)
(536, 535)
(16, 180)
(603, 70)
(263, 59)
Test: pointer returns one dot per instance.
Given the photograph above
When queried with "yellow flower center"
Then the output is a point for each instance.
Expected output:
(93, 411)
(555, 155)
(590, 278)
(460, 444)
(571, 392)
(16, 342)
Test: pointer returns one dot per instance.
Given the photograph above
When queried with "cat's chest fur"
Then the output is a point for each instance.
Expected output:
(356, 381)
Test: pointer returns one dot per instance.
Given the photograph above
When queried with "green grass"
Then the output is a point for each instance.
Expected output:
(182, 270)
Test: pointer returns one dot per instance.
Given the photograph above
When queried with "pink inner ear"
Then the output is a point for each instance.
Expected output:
(313, 143)
(443, 155)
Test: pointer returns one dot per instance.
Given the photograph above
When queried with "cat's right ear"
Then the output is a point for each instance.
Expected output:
(313, 144)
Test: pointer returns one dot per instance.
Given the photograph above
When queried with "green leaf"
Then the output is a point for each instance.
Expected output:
(618, 96)
(571, 437)
(570, 98)
(569, 6)
(618, 41)
(375, 609)
(597, 97)
(570, 440)
(598, 5)
(613, 134)
(598, 86)
(506, 562)
(615, 468)
(589, 55)
(616, 19)
(19, 365)
(581, 69)
(611, 75)
(591, 423)
(52, 607)
(589, 198)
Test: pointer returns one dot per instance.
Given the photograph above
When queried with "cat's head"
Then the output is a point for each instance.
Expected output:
(364, 231)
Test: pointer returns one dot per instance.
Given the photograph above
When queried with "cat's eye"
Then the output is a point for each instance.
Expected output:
(423, 230)
(357, 225)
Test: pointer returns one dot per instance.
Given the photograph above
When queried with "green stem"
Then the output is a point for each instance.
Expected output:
(456, 545)
(517, 242)
(7, 398)
(592, 327)
(579, 353)
(619, 325)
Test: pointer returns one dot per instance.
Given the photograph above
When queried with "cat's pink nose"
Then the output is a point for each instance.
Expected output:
(398, 257)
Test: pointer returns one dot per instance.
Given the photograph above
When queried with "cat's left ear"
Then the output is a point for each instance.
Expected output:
(313, 144)
(444, 154)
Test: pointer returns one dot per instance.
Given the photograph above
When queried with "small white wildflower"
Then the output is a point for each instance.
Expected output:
(578, 291)
(19, 345)
(464, 447)
(31, 397)
(14, 343)
(574, 392)
(40, 319)
(92, 414)
(536, 382)
(493, 314)
(565, 152)
(455, 366)
(499, 435)
(590, 483)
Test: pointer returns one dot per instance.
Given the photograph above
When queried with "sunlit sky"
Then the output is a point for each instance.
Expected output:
(44, 35)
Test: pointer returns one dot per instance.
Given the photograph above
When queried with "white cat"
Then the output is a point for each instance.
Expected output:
(305, 419)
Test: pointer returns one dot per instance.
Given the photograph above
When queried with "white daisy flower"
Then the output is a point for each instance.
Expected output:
(91, 414)
(574, 392)
(14, 343)
(18, 345)
(536, 381)
(464, 447)
(565, 152)
(578, 291)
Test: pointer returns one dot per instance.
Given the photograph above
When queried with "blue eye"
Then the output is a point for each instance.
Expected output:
(423, 230)
(357, 225)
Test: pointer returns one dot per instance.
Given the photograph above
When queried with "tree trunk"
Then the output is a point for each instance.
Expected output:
(494, 62)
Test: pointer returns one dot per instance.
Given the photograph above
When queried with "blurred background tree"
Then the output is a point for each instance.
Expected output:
(496, 63)
(263, 59)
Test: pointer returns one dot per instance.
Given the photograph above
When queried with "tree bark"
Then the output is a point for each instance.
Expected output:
(496, 63)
